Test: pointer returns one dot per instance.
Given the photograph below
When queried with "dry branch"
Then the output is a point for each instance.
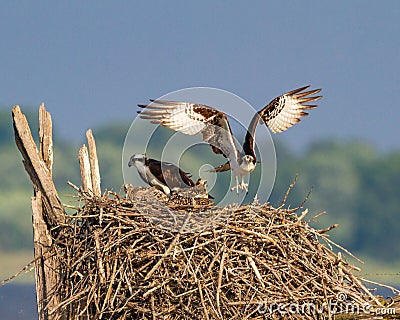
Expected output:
(46, 137)
(94, 163)
(47, 211)
(37, 168)
(46, 270)
(84, 165)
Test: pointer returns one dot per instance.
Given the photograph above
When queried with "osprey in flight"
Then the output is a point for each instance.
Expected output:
(164, 176)
(191, 118)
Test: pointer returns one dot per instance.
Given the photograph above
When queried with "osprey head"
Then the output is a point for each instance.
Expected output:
(136, 158)
(247, 159)
(247, 163)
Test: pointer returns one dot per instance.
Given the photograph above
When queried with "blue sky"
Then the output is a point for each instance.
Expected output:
(92, 62)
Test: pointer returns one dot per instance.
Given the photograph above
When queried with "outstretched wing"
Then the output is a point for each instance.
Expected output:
(286, 110)
(191, 119)
(281, 113)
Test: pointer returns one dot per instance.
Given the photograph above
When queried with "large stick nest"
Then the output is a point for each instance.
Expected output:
(151, 258)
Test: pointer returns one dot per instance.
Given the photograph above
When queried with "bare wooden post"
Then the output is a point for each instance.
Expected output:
(84, 165)
(47, 211)
(95, 181)
(46, 137)
(94, 163)
(89, 166)
(36, 167)
(45, 275)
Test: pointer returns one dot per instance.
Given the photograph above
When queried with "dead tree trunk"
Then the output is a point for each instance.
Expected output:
(47, 210)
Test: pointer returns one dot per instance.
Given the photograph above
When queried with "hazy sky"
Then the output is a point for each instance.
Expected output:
(92, 62)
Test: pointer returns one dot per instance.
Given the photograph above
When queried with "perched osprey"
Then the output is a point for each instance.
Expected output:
(164, 176)
(191, 118)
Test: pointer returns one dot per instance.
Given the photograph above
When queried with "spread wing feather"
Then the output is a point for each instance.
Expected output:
(281, 113)
(191, 119)
(286, 110)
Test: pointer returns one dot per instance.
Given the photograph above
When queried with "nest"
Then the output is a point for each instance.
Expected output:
(144, 256)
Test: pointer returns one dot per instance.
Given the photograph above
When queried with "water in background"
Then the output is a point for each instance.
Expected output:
(18, 302)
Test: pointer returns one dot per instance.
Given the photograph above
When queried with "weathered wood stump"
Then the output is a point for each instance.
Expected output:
(47, 211)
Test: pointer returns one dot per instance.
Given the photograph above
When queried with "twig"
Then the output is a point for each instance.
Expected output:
(291, 186)
(166, 253)
(99, 258)
(221, 268)
(321, 231)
